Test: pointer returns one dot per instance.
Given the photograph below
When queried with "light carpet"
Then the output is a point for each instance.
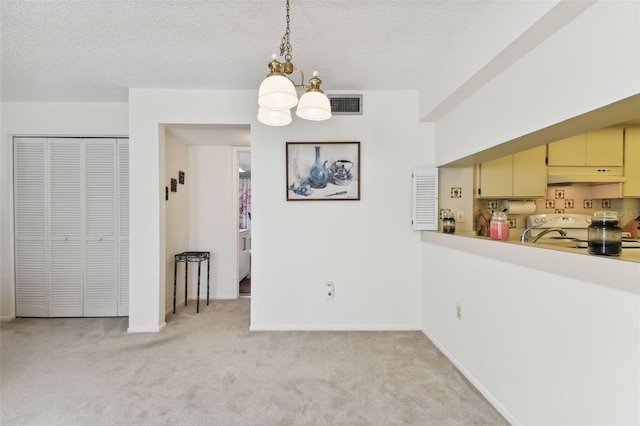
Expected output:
(209, 369)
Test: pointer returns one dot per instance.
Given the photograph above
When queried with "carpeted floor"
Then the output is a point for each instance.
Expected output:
(208, 369)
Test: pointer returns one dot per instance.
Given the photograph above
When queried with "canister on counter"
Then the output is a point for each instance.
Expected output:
(604, 235)
(448, 223)
(499, 226)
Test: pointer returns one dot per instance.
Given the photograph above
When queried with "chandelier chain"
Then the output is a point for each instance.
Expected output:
(285, 46)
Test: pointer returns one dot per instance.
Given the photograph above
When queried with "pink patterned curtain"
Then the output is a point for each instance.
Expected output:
(245, 204)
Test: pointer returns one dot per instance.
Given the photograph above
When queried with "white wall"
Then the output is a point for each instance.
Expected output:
(148, 109)
(367, 247)
(590, 63)
(177, 222)
(544, 348)
(43, 119)
(548, 348)
(213, 224)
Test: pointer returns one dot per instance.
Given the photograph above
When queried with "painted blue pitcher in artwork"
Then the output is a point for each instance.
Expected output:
(319, 174)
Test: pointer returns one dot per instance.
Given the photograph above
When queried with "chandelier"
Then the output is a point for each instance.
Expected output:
(277, 94)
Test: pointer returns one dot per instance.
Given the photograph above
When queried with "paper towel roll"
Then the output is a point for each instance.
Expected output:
(519, 207)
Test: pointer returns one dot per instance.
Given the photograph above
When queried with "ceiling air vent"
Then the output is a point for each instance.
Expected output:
(346, 104)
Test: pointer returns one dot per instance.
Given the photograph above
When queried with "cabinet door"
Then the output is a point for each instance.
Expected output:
(65, 228)
(101, 257)
(530, 173)
(496, 178)
(604, 147)
(631, 186)
(568, 152)
(30, 169)
(244, 256)
(123, 227)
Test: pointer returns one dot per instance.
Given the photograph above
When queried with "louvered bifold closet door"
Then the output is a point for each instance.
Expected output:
(101, 262)
(123, 226)
(65, 228)
(30, 171)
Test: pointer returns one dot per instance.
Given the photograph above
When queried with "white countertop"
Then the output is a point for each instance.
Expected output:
(628, 254)
(621, 272)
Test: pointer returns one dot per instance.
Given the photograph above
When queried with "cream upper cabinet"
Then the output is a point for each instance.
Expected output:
(519, 175)
(530, 173)
(496, 178)
(597, 148)
(604, 147)
(568, 152)
(631, 187)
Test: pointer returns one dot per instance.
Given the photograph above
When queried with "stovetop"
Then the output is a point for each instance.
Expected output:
(575, 226)
(559, 220)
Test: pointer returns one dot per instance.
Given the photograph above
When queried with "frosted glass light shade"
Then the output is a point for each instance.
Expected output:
(314, 106)
(277, 91)
(274, 117)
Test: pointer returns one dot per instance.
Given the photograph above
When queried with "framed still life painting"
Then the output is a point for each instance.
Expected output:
(323, 171)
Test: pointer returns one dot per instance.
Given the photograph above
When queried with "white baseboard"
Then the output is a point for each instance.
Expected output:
(146, 329)
(324, 327)
(203, 302)
(484, 391)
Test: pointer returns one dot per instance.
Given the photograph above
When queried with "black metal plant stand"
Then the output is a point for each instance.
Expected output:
(186, 257)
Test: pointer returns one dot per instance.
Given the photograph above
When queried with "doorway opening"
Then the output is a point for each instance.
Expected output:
(244, 222)
(201, 214)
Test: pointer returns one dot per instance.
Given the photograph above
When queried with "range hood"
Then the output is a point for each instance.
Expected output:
(586, 175)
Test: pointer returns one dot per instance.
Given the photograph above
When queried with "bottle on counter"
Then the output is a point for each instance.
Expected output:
(448, 223)
(604, 235)
(499, 227)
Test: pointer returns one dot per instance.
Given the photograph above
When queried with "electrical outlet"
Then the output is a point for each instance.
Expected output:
(492, 205)
(606, 204)
(459, 311)
(329, 290)
(460, 216)
(513, 223)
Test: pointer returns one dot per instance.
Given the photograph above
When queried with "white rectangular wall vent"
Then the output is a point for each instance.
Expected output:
(346, 104)
(425, 199)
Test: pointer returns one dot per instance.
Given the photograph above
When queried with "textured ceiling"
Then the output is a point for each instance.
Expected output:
(96, 50)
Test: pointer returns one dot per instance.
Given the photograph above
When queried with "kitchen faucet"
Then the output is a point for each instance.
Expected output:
(524, 237)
